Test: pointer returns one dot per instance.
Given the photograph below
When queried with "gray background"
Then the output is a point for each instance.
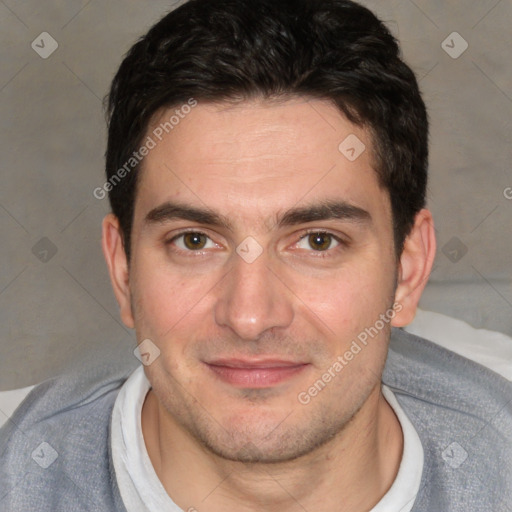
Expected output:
(56, 305)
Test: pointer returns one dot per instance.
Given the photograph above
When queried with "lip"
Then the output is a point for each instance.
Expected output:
(255, 373)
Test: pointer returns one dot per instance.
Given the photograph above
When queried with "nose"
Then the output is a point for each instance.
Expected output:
(253, 299)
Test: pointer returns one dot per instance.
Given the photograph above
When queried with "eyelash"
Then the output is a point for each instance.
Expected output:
(319, 254)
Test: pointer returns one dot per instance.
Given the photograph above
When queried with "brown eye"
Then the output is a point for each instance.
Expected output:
(194, 241)
(320, 241)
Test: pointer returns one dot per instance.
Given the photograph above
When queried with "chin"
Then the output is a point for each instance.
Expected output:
(270, 440)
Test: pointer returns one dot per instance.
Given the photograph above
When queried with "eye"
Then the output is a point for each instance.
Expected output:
(192, 241)
(318, 241)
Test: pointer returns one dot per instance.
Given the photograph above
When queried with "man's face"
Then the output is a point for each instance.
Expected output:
(259, 253)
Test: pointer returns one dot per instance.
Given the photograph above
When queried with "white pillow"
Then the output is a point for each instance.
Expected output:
(489, 348)
(9, 400)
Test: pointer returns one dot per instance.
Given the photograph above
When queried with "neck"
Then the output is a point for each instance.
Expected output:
(350, 473)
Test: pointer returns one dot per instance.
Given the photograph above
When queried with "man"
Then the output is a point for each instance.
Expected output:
(266, 168)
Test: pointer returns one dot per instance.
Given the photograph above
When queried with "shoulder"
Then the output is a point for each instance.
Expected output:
(54, 450)
(462, 412)
(434, 375)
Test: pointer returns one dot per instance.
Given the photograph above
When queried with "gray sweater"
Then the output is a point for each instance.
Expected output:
(55, 450)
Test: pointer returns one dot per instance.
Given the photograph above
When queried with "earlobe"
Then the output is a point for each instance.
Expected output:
(416, 263)
(115, 256)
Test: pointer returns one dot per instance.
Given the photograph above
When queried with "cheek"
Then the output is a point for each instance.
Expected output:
(171, 313)
(165, 303)
(349, 299)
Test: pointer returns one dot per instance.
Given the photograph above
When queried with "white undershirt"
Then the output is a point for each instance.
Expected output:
(142, 491)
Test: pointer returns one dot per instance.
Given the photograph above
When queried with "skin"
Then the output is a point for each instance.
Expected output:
(216, 446)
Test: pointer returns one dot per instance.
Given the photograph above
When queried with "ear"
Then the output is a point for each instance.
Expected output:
(415, 265)
(113, 250)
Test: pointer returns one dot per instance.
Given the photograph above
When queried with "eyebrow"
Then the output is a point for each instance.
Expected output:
(326, 210)
(171, 211)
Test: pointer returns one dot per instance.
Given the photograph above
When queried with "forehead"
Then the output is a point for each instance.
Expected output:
(258, 158)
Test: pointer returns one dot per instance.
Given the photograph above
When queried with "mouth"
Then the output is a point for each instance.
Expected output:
(246, 373)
